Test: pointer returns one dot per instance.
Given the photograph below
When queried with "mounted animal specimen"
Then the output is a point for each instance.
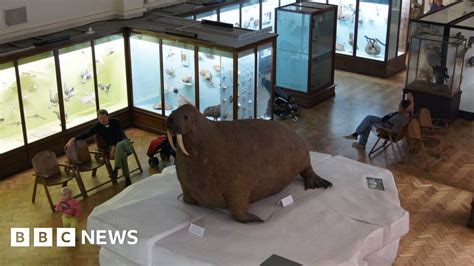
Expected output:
(230, 164)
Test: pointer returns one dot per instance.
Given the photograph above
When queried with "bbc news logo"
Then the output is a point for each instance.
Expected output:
(66, 237)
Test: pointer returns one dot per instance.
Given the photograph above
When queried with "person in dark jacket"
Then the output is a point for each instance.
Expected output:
(119, 145)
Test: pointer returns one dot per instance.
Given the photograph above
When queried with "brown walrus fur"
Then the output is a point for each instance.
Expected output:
(234, 163)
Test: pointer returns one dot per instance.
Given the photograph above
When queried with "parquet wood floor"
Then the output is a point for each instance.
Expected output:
(439, 204)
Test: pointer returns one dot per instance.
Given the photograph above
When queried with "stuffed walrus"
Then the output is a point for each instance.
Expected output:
(230, 164)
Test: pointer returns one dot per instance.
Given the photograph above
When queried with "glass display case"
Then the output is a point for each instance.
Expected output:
(465, 30)
(11, 129)
(305, 48)
(268, 13)
(264, 86)
(230, 14)
(215, 83)
(435, 65)
(251, 15)
(435, 71)
(453, 22)
(232, 78)
(111, 75)
(78, 90)
(146, 74)
(213, 80)
(40, 96)
(371, 35)
(178, 74)
(211, 15)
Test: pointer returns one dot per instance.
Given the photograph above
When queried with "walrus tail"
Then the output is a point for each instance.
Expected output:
(312, 180)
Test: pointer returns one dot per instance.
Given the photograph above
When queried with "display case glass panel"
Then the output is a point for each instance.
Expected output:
(230, 14)
(292, 49)
(11, 130)
(435, 65)
(394, 24)
(146, 75)
(317, 1)
(403, 34)
(372, 29)
(77, 77)
(264, 85)
(211, 15)
(465, 28)
(215, 83)
(322, 49)
(287, 2)
(40, 96)
(246, 81)
(268, 13)
(250, 15)
(178, 74)
(345, 31)
(111, 72)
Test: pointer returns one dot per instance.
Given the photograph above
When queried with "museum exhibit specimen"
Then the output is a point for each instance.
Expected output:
(440, 51)
(351, 223)
(305, 51)
(139, 70)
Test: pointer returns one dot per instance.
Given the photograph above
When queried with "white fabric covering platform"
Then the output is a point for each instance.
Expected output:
(348, 224)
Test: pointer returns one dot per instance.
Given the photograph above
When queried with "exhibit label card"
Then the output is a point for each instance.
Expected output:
(375, 183)
(287, 201)
(275, 260)
(196, 230)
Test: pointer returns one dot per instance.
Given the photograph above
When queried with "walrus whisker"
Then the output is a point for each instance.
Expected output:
(170, 139)
(179, 139)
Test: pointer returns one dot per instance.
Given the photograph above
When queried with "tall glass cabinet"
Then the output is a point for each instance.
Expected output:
(305, 51)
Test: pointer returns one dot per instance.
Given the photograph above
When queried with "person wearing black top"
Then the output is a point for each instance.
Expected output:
(119, 145)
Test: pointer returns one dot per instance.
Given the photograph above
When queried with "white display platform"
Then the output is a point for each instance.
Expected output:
(348, 224)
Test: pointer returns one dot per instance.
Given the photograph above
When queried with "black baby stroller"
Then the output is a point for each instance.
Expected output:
(162, 146)
(284, 105)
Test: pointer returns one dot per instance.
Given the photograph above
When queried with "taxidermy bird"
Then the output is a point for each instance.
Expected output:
(105, 88)
(53, 98)
(351, 40)
(36, 116)
(58, 115)
(68, 92)
(85, 75)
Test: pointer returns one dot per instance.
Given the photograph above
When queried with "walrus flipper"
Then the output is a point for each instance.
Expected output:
(312, 180)
(238, 205)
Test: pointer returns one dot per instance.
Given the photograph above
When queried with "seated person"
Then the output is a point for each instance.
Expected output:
(393, 123)
(118, 144)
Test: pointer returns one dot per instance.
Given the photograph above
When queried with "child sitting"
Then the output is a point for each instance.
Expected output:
(69, 207)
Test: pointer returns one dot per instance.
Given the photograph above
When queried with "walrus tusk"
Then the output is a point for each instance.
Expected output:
(170, 139)
(179, 139)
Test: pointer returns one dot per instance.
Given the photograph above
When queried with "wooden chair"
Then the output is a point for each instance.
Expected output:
(416, 142)
(48, 173)
(102, 148)
(434, 128)
(79, 158)
(389, 139)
